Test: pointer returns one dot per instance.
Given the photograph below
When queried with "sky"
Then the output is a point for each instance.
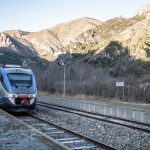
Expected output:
(35, 15)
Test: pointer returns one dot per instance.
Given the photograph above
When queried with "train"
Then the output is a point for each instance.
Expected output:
(18, 89)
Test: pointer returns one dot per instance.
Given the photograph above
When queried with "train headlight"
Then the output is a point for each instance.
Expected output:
(12, 95)
(31, 95)
(32, 100)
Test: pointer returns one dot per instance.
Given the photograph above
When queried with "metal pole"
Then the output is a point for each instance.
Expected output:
(117, 93)
(123, 91)
(64, 81)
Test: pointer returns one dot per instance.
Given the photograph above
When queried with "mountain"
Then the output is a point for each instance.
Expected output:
(17, 33)
(98, 37)
(13, 50)
(48, 43)
(79, 36)
(137, 39)
(7, 41)
(132, 33)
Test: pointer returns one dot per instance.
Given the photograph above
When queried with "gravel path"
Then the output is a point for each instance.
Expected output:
(111, 134)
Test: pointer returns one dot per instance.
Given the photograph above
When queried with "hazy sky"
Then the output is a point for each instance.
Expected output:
(34, 15)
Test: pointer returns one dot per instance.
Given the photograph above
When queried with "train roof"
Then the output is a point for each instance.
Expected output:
(16, 69)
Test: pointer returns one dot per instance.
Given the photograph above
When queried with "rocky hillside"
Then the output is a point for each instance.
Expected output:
(47, 43)
(13, 44)
(117, 29)
(145, 11)
(14, 51)
(17, 33)
(100, 36)
(81, 36)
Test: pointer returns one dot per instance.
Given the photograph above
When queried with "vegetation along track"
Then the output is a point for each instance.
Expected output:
(114, 120)
(65, 136)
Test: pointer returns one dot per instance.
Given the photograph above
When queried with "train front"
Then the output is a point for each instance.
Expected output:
(18, 90)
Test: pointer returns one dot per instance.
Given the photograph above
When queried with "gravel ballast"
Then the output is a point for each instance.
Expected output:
(114, 135)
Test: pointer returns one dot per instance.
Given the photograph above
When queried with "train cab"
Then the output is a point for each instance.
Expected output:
(17, 89)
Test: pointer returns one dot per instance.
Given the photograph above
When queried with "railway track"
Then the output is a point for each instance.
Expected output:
(114, 120)
(71, 139)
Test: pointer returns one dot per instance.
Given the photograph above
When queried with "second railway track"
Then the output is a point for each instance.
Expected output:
(114, 120)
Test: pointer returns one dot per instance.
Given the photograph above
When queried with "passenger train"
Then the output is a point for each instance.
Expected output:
(17, 89)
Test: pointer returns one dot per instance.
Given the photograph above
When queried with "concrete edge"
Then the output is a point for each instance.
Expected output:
(83, 101)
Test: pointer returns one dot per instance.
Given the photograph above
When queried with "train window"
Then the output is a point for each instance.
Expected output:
(3, 84)
(20, 79)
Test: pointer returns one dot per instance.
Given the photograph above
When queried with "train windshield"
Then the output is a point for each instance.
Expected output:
(20, 79)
